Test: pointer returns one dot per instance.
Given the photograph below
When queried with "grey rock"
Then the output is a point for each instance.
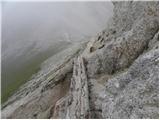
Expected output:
(96, 97)
(114, 76)
(60, 109)
(154, 42)
(36, 102)
(134, 94)
(126, 45)
(79, 99)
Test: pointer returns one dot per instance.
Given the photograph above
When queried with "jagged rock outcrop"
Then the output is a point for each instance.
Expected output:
(133, 27)
(76, 104)
(115, 76)
(79, 99)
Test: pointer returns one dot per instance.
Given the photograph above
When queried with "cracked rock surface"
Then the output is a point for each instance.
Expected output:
(114, 75)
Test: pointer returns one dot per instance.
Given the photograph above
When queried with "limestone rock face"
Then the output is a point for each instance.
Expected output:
(134, 25)
(114, 76)
(79, 99)
(134, 93)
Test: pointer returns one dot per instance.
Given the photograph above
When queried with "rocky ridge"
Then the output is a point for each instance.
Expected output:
(114, 76)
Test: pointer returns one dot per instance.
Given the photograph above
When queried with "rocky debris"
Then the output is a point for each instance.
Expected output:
(116, 76)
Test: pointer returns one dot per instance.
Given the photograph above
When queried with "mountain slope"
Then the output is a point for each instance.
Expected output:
(114, 76)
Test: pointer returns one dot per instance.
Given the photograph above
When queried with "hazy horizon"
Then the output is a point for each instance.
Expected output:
(33, 31)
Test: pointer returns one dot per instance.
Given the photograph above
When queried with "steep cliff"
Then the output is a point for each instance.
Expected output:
(114, 76)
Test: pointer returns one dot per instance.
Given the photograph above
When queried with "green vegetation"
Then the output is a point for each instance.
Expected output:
(13, 78)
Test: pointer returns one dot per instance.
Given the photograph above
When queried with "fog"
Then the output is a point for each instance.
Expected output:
(34, 31)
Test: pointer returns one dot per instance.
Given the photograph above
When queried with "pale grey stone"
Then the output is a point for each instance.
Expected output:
(114, 76)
